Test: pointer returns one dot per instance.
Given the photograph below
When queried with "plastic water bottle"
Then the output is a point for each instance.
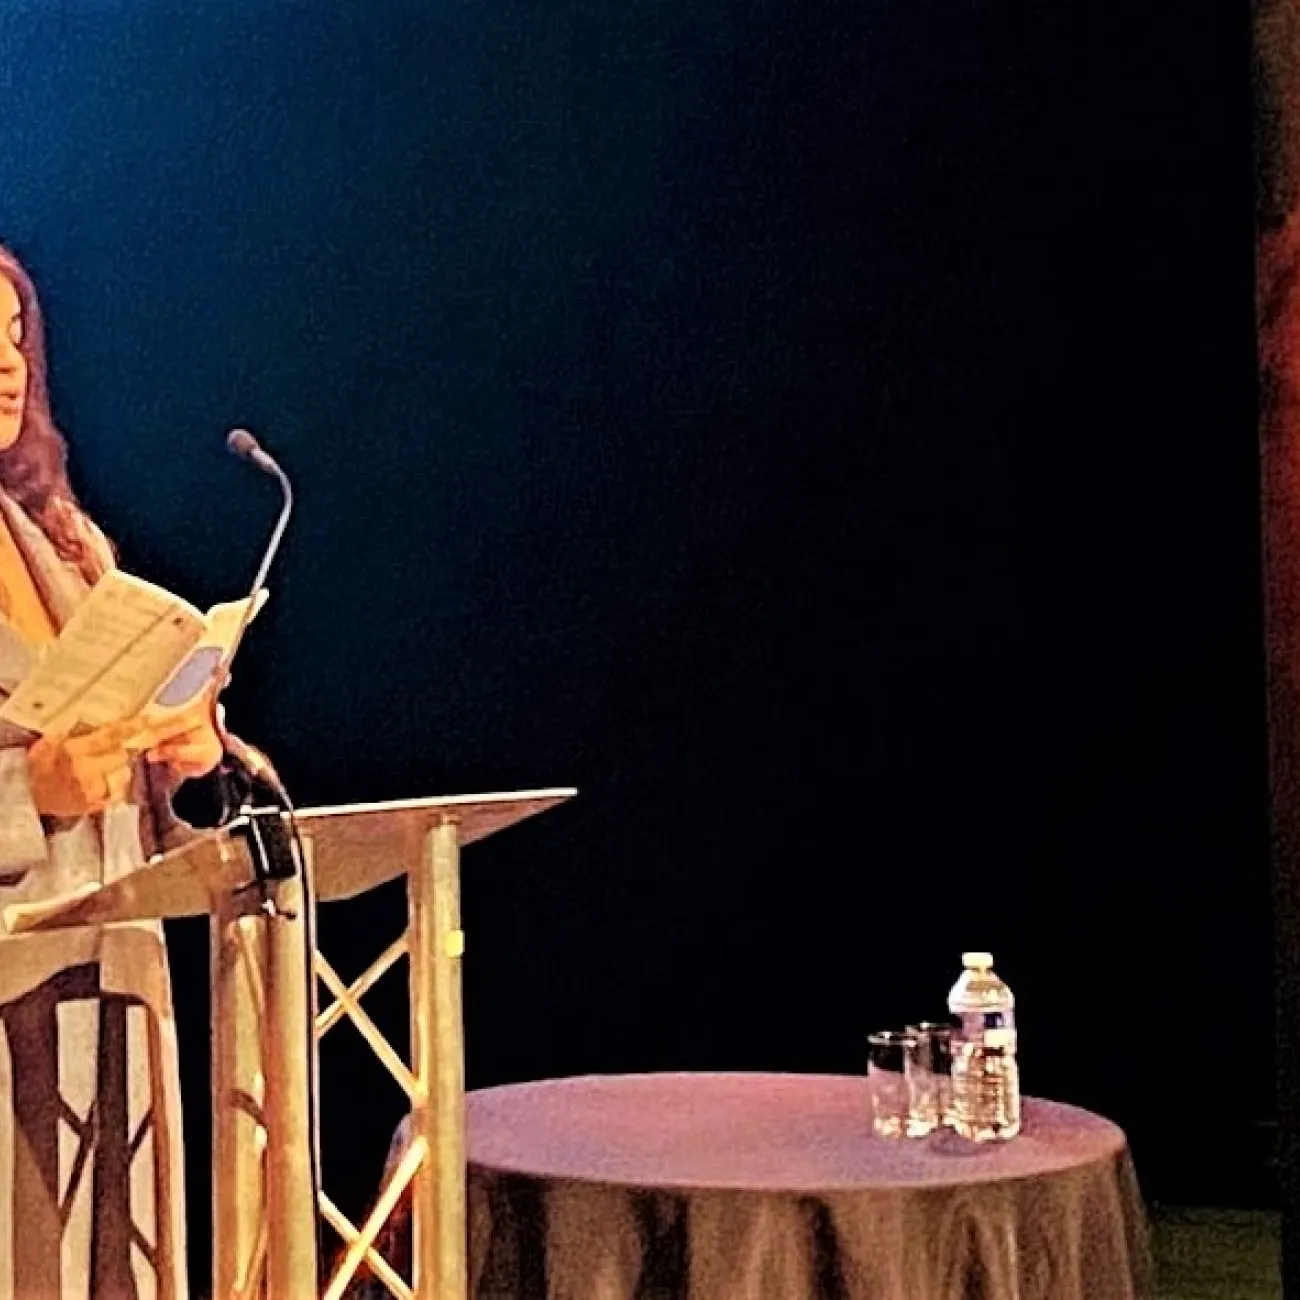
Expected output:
(985, 1076)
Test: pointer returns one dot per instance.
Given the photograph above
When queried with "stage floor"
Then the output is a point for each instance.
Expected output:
(1217, 1254)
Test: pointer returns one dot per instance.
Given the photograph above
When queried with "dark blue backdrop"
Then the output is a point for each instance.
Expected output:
(822, 432)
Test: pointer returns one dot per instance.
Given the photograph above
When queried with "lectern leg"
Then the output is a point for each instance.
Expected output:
(238, 1094)
(438, 1057)
(291, 1190)
(263, 1190)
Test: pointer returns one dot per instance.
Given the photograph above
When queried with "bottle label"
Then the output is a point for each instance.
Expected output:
(980, 1024)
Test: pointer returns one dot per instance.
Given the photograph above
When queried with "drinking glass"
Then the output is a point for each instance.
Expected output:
(929, 1077)
(887, 1054)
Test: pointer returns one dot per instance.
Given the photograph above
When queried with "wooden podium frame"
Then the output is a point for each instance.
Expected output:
(266, 1196)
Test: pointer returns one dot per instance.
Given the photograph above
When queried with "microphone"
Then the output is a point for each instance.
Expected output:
(241, 443)
(252, 763)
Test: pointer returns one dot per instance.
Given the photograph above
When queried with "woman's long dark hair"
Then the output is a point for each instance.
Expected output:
(34, 471)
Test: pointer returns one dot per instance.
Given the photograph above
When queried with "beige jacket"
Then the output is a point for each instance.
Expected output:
(91, 1173)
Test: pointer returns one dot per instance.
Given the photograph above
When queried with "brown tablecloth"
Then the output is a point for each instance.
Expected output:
(772, 1187)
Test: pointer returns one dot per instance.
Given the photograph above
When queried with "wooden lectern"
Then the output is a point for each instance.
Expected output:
(265, 1031)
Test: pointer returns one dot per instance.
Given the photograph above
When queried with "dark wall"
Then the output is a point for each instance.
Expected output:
(822, 433)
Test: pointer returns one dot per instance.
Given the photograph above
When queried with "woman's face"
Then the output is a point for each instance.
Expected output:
(13, 365)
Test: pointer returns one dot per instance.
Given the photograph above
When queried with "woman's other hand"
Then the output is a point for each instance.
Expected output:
(75, 775)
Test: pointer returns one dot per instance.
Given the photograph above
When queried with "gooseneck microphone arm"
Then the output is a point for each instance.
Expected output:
(243, 760)
(273, 841)
(241, 443)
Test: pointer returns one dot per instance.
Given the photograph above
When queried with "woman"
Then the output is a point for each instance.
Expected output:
(90, 1135)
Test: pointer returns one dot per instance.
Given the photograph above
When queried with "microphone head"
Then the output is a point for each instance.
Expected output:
(241, 443)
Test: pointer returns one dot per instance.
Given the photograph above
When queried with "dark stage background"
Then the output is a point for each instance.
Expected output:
(824, 433)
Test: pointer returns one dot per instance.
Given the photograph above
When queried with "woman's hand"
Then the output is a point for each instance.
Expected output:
(73, 776)
(76, 775)
(187, 743)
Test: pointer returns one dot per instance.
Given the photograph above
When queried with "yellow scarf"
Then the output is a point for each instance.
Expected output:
(20, 598)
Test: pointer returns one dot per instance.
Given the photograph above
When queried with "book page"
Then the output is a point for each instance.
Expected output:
(114, 654)
(200, 667)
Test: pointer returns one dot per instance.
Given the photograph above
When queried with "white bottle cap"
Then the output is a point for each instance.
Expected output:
(1000, 1038)
(977, 960)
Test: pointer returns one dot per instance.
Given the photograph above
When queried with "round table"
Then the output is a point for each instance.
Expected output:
(772, 1187)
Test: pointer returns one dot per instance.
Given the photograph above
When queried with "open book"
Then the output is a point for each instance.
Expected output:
(130, 649)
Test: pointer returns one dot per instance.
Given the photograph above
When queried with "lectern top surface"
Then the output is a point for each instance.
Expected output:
(353, 849)
(358, 846)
